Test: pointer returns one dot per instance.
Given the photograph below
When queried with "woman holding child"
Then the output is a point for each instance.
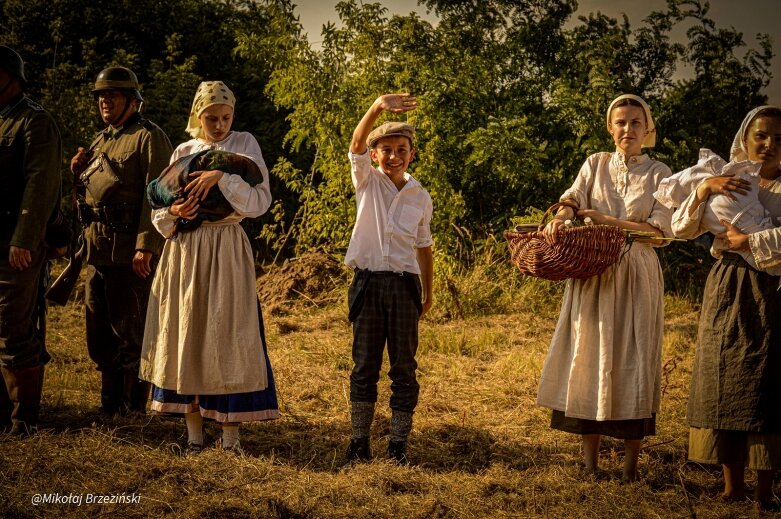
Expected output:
(603, 369)
(204, 345)
(734, 413)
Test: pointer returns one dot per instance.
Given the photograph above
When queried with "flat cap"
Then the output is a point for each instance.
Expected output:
(391, 129)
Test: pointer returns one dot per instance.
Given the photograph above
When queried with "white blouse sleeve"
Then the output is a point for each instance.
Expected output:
(765, 246)
(360, 167)
(579, 191)
(163, 221)
(248, 201)
(685, 225)
(661, 215)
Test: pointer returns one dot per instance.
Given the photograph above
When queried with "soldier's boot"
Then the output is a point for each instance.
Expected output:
(111, 385)
(24, 387)
(135, 394)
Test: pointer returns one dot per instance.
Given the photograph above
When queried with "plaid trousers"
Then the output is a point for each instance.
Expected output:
(385, 308)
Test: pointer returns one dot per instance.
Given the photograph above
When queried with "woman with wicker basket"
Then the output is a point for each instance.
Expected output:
(603, 369)
(734, 414)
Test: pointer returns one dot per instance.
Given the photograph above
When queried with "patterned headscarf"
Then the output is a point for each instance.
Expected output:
(209, 93)
(738, 150)
(649, 141)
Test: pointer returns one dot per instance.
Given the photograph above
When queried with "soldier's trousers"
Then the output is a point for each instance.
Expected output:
(116, 301)
(22, 341)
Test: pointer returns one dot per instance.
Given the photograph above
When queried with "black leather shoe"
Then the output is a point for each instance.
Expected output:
(397, 451)
(359, 450)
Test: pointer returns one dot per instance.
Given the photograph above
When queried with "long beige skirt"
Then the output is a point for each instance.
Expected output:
(202, 334)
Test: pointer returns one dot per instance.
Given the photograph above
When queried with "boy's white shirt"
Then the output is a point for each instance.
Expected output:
(390, 224)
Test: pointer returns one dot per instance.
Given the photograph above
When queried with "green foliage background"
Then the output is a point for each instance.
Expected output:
(512, 95)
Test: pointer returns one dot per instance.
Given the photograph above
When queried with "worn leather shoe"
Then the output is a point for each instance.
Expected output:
(359, 450)
(397, 451)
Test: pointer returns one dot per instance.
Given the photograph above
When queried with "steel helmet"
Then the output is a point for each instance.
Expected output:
(118, 78)
(12, 63)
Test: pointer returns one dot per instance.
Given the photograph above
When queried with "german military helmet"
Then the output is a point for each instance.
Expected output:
(12, 63)
(118, 78)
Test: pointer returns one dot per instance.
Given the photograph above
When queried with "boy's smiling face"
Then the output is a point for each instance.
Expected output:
(393, 154)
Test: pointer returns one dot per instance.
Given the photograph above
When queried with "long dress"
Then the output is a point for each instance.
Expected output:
(204, 344)
(604, 361)
(733, 410)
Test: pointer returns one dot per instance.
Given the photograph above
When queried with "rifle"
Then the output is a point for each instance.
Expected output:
(59, 292)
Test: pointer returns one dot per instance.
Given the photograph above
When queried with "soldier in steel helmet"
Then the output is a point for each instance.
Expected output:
(30, 159)
(121, 243)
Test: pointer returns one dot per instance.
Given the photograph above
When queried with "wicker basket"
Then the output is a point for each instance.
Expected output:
(579, 252)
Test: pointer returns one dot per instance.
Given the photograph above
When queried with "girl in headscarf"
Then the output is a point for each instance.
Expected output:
(204, 343)
(603, 369)
(734, 413)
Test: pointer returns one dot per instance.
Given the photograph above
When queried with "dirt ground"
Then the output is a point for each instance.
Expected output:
(315, 278)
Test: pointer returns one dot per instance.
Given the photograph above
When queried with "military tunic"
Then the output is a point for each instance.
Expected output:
(137, 152)
(116, 297)
(30, 160)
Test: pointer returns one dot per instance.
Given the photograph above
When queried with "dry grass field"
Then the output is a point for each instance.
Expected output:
(479, 447)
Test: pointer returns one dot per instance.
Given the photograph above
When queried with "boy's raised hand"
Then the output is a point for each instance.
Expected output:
(398, 103)
(394, 103)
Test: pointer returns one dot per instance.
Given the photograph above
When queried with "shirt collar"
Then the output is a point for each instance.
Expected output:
(620, 158)
(111, 132)
(409, 179)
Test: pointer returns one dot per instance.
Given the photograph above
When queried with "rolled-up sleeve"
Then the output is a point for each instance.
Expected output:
(685, 225)
(765, 246)
(661, 215)
(424, 238)
(361, 166)
(579, 189)
(661, 218)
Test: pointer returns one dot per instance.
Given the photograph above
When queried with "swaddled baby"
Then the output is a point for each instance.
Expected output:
(745, 212)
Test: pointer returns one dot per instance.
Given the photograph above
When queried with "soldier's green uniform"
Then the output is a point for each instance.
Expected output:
(118, 225)
(30, 161)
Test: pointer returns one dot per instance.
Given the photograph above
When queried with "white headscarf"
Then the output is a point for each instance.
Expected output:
(649, 141)
(209, 93)
(738, 150)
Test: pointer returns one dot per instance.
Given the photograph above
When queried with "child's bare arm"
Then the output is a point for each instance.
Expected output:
(426, 263)
(395, 103)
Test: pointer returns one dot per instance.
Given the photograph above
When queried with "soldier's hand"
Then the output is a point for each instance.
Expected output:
(79, 161)
(142, 263)
(19, 258)
(202, 183)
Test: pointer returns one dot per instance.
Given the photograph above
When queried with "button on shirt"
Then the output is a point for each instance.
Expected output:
(391, 223)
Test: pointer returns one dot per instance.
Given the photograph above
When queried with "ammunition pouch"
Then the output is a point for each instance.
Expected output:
(99, 178)
(123, 218)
